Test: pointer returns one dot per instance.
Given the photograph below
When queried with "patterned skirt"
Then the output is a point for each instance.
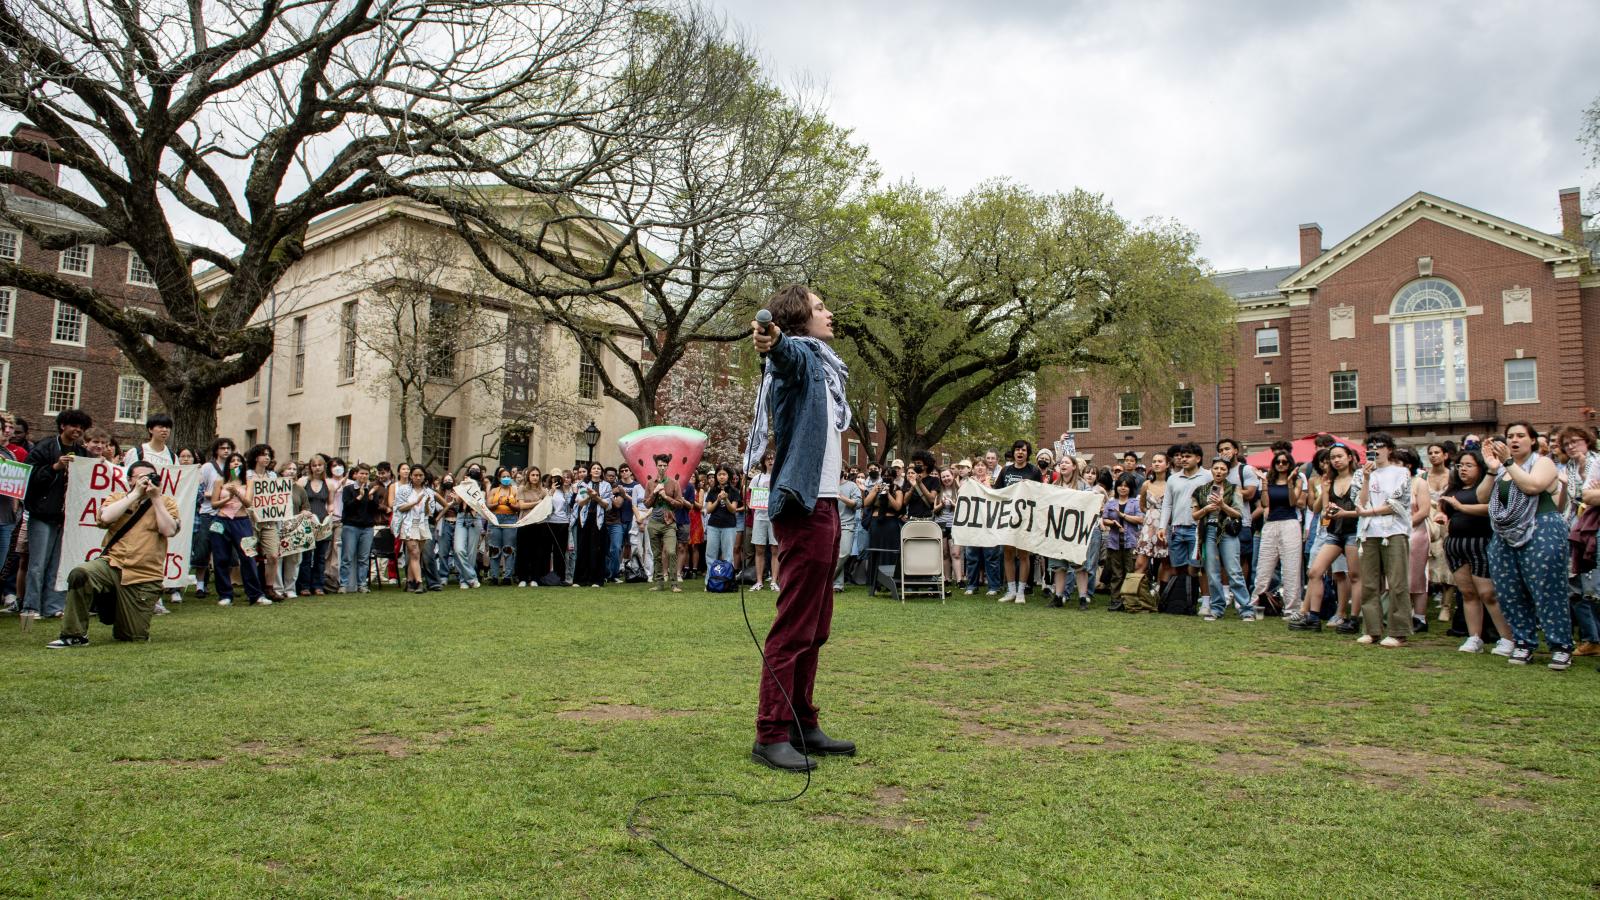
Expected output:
(1147, 545)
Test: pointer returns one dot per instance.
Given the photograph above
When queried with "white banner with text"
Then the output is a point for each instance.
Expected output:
(1040, 518)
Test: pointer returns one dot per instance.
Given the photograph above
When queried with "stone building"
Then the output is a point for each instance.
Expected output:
(1433, 320)
(510, 387)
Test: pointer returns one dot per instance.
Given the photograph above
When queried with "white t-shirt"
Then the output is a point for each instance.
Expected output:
(163, 457)
(209, 476)
(1389, 486)
(832, 456)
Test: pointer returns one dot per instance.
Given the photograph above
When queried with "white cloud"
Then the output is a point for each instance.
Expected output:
(1240, 120)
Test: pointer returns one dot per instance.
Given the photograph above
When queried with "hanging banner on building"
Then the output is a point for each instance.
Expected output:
(1040, 518)
(271, 499)
(14, 478)
(90, 481)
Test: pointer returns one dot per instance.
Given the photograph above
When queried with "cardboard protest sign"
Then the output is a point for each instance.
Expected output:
(90, 481)
(14, 478)
(1041, 518)
(271, 498)
(302, 534)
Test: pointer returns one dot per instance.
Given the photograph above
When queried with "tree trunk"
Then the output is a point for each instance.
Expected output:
(194, 418)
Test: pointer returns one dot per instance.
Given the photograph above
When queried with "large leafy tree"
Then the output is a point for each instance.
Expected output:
(677, 244)
(210, 134)
(946, 302)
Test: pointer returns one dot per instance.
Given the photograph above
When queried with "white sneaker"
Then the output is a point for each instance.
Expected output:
(1020, 598)
(290, 595)
(363, 590)
(464, 586)
(1209, 617)
(755, 587)
(175, 597)
(160, 609)
(775, 588)
(992, 593)
(1006, 597)
(969, 592)
(262, 601)
(1472, 644)
(522, 584)
(225, 602)
(1503, 647)
(1364, 639)
(1391, 643)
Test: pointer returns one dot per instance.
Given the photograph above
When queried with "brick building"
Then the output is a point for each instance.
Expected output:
(52, 357)
(1434, 320)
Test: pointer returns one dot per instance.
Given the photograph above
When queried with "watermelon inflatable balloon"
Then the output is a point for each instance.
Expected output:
(686, 445)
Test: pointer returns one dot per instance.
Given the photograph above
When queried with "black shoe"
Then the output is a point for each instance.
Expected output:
(1349, 626)
(782, 755)
(1309, 623)
(819, 744)
(1419, 625)
(68, 640)
(1083, 602)
(1115, 606)
(1056, 602)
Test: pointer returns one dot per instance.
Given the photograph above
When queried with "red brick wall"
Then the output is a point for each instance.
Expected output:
(1565, 334)
(31, 353)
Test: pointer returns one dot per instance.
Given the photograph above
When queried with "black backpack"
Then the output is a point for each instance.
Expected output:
(1181, 596)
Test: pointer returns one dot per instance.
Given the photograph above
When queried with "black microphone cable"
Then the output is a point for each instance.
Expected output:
(633, 817)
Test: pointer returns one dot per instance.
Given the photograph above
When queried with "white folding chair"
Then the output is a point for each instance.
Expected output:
(921, 560)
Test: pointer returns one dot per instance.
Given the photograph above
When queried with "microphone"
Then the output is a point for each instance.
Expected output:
(764, 319)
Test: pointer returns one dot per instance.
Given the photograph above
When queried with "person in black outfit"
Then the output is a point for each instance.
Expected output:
(922, 486)
(1015, 558)
(591, 497)
(884, 503)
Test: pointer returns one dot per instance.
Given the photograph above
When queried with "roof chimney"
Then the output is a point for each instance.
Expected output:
(42, 166)
(1572, 214)
(1310, 242)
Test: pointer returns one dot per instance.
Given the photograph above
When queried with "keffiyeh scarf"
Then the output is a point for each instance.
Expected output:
(1513, 517)
(834, 372)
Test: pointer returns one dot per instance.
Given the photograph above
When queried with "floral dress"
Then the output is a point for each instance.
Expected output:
(1148, 545)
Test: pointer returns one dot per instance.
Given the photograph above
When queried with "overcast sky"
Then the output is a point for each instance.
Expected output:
(1240, 120)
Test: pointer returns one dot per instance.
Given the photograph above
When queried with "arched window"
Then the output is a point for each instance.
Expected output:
(1428, 343)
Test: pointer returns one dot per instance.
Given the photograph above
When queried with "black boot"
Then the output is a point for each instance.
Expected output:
(818, 744)
(782, 755)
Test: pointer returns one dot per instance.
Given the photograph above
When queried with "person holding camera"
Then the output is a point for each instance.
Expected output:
(131, 564)
(1219, 511)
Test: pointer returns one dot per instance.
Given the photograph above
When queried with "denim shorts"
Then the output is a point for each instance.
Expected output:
(1181, 546)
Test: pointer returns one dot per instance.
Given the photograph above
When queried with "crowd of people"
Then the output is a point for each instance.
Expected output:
(1496, 536)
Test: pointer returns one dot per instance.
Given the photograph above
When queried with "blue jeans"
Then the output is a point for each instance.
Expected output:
(430, 564)
(983, 563)
(200, 546)
(1584, 608)
(444, 546)
(719, 544)
(615, 534)
(502, 547)
(466, 548)
(860, 545)
(1222, 554)
(44, 558)
(355, 555)
(1181, 546)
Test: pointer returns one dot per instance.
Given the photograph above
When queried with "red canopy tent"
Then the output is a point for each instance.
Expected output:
(1304, 449)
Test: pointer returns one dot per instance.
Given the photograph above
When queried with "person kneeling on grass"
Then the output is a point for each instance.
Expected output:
(131, 565)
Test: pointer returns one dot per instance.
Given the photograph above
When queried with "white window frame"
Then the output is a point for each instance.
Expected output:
(1122, 412)
(852, 452)
(342, 426)
(144, 401)
(1174, 411)
(297, 360)
(88, 263)
(16, 245)
(1333, 393)
(83, 326)
(77, 398)
(1275, 387)
(1533, 365)
(293, 431)
(9, 314)
(1088, 418)
(349, 332)
(5, 383)
(594, 390)
(1277, 342)
(151, 279)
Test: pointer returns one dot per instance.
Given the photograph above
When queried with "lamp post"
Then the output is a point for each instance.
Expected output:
(591, 436)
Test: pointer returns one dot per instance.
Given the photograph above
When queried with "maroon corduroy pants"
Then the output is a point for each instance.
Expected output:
(808, 550)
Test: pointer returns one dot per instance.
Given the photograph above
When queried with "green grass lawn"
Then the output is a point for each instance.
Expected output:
(492, 743)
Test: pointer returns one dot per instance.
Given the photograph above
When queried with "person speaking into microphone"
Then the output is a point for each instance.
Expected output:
(802, 400)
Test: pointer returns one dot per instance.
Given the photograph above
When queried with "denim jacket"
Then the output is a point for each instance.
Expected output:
(798, 411)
